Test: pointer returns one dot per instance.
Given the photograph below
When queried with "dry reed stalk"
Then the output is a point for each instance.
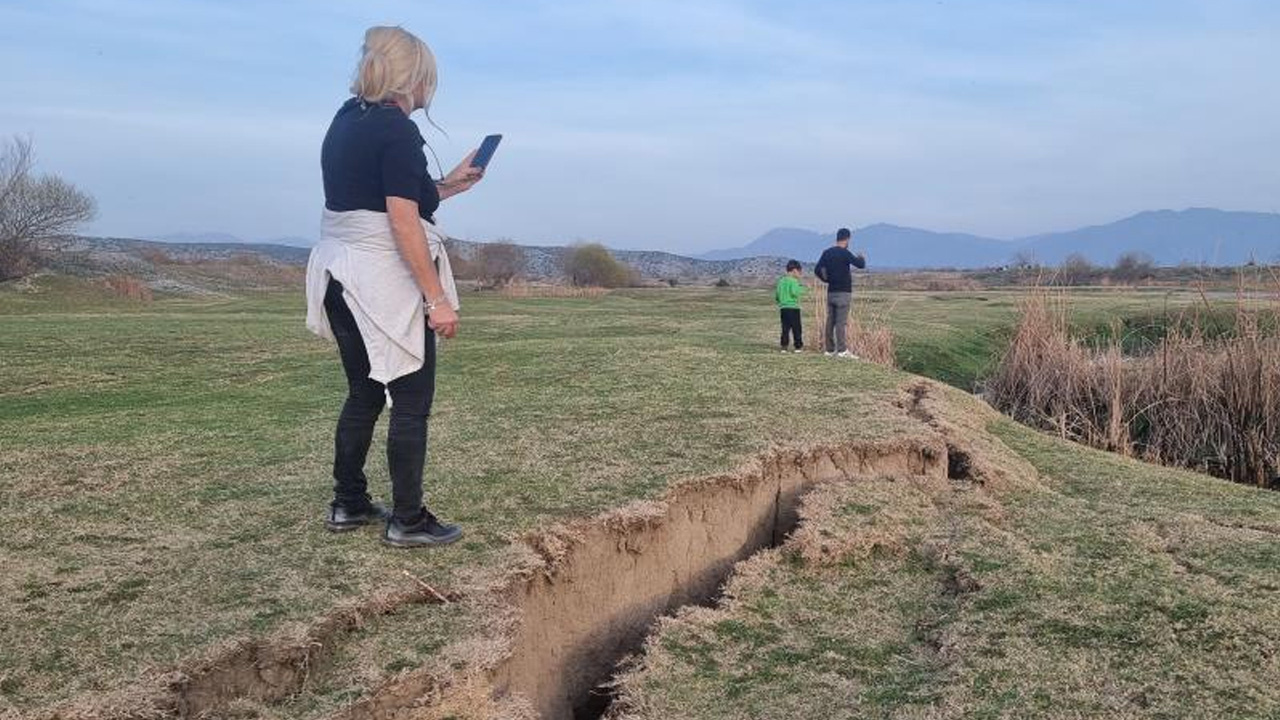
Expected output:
(868, 333)
(1211, 403)
(128, 286)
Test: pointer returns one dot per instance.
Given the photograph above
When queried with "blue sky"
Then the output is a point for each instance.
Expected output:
(677, 125)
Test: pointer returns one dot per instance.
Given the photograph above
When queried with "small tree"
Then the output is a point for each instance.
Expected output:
(1075, 269)
(498, 263)
(33, 209)
(1024, 260)
(1133, 266)
(592, 265)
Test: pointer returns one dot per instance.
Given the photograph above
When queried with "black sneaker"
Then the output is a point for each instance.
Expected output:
(342, 519)
(426, 531)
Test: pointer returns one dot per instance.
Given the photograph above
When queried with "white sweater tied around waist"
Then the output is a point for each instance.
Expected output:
(357, 249)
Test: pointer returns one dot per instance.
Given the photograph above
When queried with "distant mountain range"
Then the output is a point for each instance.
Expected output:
(1202, 236)
(1197, 235)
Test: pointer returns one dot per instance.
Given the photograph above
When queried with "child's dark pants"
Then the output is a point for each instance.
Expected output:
(791, 325)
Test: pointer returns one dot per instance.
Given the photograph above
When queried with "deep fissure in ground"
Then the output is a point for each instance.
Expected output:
(615, 575)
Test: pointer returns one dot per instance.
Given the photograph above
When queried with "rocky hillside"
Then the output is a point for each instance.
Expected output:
(544, 262)
(196, 267)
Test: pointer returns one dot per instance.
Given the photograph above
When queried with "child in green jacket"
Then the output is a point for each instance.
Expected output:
(787, 294)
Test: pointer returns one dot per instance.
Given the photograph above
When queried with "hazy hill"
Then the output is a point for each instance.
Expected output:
(889, 246)
(1197, 235)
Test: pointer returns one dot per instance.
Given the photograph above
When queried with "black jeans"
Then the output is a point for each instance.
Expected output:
(411, 397)
(791, 325)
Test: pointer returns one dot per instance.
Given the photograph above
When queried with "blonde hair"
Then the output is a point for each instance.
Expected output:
(395, 65)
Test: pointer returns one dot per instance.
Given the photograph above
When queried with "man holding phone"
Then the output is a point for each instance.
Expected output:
(834, 269)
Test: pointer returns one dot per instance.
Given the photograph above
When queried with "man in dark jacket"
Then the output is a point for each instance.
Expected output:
(834, 269)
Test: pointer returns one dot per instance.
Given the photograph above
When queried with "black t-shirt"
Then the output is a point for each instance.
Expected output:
(373, 151)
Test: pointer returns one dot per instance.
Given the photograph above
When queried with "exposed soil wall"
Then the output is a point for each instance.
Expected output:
(603, 582)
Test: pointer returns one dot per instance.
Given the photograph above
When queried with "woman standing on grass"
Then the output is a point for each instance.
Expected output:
(379, 282)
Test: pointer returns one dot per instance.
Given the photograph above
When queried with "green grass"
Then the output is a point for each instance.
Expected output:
(164, 467)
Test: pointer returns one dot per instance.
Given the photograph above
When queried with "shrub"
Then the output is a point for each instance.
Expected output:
(1133, 267)
(498, 263)
(592, 265)
(128, 286)
(1075, 270)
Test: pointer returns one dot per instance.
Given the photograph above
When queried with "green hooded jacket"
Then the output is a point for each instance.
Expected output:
(788, 292)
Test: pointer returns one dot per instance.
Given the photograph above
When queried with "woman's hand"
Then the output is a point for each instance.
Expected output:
(461, 178)
(443, 319)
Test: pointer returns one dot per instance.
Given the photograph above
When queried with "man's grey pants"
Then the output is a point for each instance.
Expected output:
(837, 321)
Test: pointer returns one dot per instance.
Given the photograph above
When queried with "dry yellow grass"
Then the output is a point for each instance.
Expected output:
(526, 289)
(867, 332)
(1195, 399)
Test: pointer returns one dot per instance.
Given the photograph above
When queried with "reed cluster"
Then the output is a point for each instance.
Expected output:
(1197, 397)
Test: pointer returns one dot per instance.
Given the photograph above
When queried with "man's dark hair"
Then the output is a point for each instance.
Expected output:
(843, 234)
(793, 265)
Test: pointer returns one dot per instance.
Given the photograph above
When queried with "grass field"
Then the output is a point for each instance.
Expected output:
(164, 466)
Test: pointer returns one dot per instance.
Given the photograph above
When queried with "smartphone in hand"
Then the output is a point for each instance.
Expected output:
(485, 153)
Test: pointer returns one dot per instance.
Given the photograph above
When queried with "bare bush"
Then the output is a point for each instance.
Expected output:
(127, 286)
(1075, 270)
(1133, 266)
(33, 209)
(1207, 401)
(498, 263)
(592, 265)
(1024, 260)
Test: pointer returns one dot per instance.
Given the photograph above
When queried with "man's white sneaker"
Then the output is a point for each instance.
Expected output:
(829, 353)
(847, 354)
